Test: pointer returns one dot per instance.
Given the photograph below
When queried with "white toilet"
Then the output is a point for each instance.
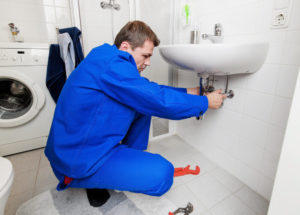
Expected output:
(6, 180)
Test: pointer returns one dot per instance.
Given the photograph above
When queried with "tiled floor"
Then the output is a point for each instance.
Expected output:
(212, 192)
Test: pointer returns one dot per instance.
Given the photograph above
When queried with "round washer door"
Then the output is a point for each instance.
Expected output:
(21, 99)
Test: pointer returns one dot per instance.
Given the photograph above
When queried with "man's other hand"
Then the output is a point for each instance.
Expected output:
(215, 99)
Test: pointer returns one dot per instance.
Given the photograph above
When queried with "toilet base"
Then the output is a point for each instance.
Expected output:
(4, 193)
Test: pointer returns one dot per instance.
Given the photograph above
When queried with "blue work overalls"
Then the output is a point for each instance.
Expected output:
(101, 125)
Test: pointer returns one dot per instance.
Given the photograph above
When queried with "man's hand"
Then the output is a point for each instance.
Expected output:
(193, 91)
(215, 99)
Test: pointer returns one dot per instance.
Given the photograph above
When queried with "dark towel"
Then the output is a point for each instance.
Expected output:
(74, 34)
(56, 73)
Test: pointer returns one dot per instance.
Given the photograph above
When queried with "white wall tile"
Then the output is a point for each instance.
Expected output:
(26, 12)
(63, 16)
(287, 77)
(265, 186)
(276, 36)
(274, 139)
(264, 15)
(295, 16)
(275, 54)
(51, 33)
(280, 111)
(48, 2)
(32, 17)
(291, 54)
(264, 80)
(250, 153)
(61, 3)
(30, 33)
(269, 164)
(97, 35)
(253, 130)
(49, 13)
(258, 105)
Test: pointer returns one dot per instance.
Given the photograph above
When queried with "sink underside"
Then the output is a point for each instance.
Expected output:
(216, 59)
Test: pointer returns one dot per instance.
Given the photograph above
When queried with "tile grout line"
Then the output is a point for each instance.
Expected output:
(37, 173)
(248, 206)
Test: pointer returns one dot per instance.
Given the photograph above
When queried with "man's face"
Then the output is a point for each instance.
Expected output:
(141, 55)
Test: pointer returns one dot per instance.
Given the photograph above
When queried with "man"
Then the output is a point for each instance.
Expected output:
(102, 119)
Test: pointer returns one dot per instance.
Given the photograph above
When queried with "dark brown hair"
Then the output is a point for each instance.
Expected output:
(136, 33)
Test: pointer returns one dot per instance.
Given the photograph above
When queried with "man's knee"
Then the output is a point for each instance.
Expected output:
(163, 177)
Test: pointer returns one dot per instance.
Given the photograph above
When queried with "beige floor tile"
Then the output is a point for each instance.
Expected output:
(45, 176)
(41, 189)
(44, 162)
(24, 181)
(26, 161)
(15, 201)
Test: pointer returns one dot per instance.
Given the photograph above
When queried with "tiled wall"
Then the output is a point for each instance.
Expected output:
(246, 134)
(102, 25)
(36, 19)
(97, 23)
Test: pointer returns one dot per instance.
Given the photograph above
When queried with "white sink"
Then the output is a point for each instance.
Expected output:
(217, 59)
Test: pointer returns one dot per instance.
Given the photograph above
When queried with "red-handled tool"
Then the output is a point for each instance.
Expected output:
(186, 170)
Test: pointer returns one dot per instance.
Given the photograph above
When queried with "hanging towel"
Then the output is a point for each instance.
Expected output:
(56, 73)
(75, 36)
(67, 54)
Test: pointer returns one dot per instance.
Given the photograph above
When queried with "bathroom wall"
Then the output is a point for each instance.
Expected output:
(245, 136)
(101, 26)
(36, 19)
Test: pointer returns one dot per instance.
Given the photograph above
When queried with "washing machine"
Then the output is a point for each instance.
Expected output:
(26, 107)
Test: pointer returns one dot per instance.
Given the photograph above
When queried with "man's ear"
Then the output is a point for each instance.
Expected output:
(125, 46)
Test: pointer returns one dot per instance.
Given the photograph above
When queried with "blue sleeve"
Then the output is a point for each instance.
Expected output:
(179, 89)
(183, 90)
(138, 134)
(122, 82)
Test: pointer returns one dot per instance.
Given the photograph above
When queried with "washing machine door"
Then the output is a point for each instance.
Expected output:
(21, 99)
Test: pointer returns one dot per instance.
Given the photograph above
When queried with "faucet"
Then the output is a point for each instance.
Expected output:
(217, 37)
(111, 4)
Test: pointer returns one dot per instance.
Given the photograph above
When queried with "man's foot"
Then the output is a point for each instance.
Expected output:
(97, 197)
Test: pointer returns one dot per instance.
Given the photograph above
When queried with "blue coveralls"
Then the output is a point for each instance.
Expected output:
(101, 125)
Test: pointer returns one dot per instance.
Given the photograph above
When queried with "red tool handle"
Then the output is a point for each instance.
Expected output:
(186, 170)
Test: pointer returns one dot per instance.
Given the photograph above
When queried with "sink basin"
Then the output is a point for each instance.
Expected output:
(216, 59)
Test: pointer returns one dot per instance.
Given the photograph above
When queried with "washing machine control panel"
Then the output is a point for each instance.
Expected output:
(23, 57)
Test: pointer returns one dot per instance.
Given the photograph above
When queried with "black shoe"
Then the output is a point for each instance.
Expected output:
(97, 197)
